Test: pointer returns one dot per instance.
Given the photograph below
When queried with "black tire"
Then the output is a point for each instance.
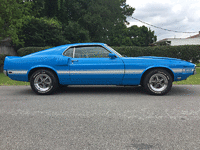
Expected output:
(158, 82)
(62, 86)
(43, 82)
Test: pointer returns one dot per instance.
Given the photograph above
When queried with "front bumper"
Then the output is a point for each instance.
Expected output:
(5, 72)
(195, 72)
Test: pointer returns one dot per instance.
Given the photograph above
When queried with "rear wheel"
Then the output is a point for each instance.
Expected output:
(158, 82)
(43, 82)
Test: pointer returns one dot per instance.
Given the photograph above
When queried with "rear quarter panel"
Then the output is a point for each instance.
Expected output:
(19, 67)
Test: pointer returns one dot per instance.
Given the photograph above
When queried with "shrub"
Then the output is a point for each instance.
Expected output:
(186, 52)
(28, 50)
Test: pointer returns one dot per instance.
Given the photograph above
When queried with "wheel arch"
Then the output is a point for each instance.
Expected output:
(150, 69)
(32, 70)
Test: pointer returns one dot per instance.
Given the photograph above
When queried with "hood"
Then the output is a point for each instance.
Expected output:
(153, 60)
(155, 57)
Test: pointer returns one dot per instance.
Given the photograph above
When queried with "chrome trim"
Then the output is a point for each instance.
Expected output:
(103, 46)
(73, 52)
(17, 71)
(195, 72)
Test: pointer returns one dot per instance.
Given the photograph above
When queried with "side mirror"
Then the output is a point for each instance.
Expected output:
(111, 55)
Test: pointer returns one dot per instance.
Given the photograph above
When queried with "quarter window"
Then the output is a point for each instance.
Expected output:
(69, 52)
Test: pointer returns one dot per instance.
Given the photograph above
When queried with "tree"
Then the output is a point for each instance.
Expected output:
(11, 18)
(98, 17)
(74, 33)
(41, 32)
(134, 35)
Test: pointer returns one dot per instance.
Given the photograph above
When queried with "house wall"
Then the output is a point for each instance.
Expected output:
(7, 50)
(188, 41)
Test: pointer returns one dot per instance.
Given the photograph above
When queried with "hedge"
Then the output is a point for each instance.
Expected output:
(186, 52)
(28, 50)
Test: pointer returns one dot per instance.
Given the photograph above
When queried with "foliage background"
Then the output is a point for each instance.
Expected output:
(187, 52)
(55, 22)
(34, 24)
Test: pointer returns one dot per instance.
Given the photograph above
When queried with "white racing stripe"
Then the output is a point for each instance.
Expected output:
(134, 71)
(98, 72)
(110, 71)
(177, 70)
(17, 71)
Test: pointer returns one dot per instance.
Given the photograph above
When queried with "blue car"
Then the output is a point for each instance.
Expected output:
(95, 64)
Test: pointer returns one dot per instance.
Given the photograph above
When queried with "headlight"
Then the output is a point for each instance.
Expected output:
(188, 70)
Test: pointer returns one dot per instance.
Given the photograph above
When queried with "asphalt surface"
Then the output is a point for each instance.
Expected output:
(100, 118)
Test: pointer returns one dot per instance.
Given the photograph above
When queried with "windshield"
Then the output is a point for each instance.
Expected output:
(118, 54)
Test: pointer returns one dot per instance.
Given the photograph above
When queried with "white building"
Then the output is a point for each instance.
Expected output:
(193, 40)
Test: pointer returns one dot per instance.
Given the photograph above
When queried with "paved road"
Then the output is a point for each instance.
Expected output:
(99, 118)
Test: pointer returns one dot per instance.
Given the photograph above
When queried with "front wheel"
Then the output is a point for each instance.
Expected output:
(158, 82)
(43, 82)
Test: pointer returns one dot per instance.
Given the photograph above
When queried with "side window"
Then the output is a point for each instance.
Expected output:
(69, 52)
(91, 52)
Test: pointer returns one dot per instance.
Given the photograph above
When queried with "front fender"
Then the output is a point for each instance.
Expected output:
(154, 67)
(161, 67)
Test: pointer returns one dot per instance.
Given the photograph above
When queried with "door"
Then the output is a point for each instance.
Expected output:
(91, 65)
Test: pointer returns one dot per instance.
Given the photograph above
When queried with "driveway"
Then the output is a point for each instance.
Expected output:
(100, 117)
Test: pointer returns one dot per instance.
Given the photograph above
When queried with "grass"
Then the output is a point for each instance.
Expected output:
(192, 80)
(4, 80)
(198, 65)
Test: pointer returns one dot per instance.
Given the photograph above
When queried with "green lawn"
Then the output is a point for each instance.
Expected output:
(194, 79)
(198, 65)
(4, 80)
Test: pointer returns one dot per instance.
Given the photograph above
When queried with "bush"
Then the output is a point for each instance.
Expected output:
(28, 50)
(186, 52)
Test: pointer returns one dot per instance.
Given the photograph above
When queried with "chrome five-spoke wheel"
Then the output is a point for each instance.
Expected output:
(43, 82)
(158, 82)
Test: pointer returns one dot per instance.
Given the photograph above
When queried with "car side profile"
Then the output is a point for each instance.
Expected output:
(95, 64)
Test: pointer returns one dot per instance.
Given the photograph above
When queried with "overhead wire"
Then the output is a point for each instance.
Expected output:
(160, 27)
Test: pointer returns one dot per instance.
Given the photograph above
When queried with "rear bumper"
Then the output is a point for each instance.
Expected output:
(5, 72)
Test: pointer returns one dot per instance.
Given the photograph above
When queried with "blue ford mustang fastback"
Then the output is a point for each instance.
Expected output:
(95, 64)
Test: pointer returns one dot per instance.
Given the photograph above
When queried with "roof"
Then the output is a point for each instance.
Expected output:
(195, 36)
